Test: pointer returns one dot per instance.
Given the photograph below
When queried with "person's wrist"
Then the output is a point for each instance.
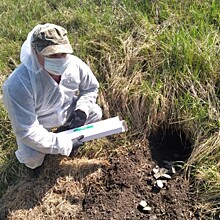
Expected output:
(81, 114)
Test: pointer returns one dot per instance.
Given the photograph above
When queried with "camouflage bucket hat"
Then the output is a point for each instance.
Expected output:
(51, 39)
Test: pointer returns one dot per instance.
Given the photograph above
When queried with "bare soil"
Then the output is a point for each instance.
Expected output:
(108, 188)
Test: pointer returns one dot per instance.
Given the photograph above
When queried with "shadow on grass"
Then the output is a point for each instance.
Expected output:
(58, 175)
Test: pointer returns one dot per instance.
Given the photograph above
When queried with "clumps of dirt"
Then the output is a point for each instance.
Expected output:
(108, 188)
(128, 181)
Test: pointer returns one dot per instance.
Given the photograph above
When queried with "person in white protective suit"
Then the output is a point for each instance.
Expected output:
(51, 88)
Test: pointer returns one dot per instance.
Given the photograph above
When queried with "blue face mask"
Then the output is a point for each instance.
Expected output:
(56, 66)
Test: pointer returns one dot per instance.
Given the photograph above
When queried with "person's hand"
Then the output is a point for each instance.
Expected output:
(80, 118)
(76, 144)
(76, 119)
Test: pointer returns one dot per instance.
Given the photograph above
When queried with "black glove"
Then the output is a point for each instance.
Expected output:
(76, 119)
(80, 119)
(77, 143)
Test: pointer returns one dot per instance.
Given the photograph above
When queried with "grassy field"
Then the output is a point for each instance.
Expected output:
(158, 66)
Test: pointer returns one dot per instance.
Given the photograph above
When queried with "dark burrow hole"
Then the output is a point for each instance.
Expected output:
(169, 145)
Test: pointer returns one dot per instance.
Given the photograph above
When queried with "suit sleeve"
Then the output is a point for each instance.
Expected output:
(88, 88)
(19, 102)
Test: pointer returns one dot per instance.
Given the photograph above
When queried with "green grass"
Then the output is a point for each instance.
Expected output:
(157, 63)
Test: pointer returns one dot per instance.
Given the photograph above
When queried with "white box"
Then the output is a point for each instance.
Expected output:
(98, 129)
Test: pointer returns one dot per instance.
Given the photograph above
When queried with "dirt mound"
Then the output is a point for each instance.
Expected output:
(100, 189)
(128, 181)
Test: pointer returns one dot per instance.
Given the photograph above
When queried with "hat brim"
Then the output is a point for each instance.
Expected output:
(54, 49)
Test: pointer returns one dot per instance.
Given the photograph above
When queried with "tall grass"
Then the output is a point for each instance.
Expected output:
(157, 63)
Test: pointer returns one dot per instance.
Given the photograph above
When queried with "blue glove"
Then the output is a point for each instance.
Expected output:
(77, 143)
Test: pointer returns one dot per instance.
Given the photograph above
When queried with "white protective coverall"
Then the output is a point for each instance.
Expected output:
(36, 103)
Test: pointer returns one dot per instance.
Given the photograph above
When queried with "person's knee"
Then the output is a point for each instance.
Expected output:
(98, 112)
(32, 159)
(34, 163)
(95, 114)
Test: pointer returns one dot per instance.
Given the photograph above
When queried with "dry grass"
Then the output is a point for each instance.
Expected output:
(56, 194)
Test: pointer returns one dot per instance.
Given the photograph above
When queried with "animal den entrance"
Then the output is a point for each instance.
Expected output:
(169, 145)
